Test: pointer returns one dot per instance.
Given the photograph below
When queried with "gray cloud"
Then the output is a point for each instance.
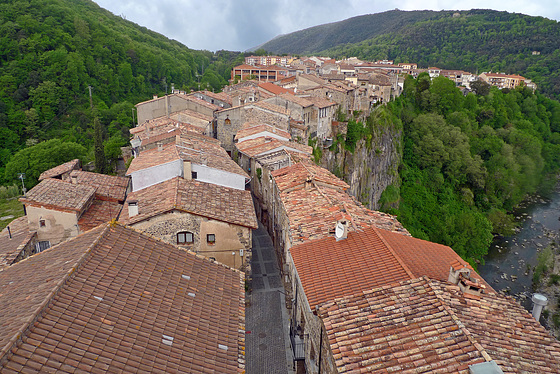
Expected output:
(241, 24)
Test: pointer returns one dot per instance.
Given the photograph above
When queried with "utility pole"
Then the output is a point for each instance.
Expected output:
(21, 176)
(90, 100)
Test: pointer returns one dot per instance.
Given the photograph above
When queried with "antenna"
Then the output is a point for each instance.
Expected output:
(21, 176)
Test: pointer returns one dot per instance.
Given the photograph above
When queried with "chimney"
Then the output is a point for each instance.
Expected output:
(341, 229)
(155, 97)
(159, 146)
(308, 183)
(187, 170)
(460, 275)
(132, 208)
(74, 178)
(539, 301)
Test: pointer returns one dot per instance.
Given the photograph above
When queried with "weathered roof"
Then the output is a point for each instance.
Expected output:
(424, 325)
(313, 78)
(54, 193)
(100, 211)
(320, 102)
(302, 101)
(12, 241)
(330, 269)
(106, 186)
(154, 157)
(262, 145)
(249, 129)
(203, 199)
(271, 107)
(222, 96)
(113, 299)
(60, 169)
(313, 199)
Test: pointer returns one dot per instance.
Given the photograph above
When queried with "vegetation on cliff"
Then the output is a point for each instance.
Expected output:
(468, 160)
(53, 53)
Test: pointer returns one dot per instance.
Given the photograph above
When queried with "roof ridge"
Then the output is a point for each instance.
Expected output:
(397, 257)
(457, 321)
(6, 350)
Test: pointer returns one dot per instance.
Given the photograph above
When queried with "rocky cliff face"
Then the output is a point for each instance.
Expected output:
(371, 167)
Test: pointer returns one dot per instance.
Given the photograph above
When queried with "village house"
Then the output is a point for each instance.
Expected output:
(509, 81)
(209, 219)
(113, 299)
(190, 156)
(429, 325)
(260, 73)
(220, 99)
(300, 108)
(169, 104)
(345, 263)
(307, 81)
(229, 121)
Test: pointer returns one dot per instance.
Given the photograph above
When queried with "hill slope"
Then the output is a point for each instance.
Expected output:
(475, 40)
(51, 51)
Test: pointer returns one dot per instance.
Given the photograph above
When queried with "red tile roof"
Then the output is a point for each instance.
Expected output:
(106, 186)
(57, 194)
(154, 157)
(272, 88)
(313, 198)
(424, 325)
(330, 269)
(60, 169)
(263, 145)
(10, 247)
(113, 299)
(100, 211)
(203, 199)
(250, 128)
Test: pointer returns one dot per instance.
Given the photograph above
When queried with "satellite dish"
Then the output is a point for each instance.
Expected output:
(339, 231)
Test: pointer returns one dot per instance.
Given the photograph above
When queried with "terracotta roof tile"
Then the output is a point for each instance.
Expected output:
(271, 107)
(153, 157)
(60, 169)
(424, 325)
(59, 194)
(329, 269)
(113, 299)
(272, 88)
(251, 129)
(302, 101)
(264, 145)
(312, 197)
(100, 211)
(199, 198)
(106, 186)
(10, 247)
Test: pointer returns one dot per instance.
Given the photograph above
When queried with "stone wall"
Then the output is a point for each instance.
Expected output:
(230, 238)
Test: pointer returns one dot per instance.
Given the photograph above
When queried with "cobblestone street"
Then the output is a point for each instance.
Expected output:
(267, 343)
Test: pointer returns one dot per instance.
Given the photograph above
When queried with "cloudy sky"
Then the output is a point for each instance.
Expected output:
(238, 25)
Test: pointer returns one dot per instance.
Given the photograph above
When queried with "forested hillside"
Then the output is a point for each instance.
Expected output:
(52, 51)
(468, 160)
(475, 41)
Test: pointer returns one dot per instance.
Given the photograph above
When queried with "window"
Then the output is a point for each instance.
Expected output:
(42, 223)
(211, 239)
(194, 175)
(41, 246)
(185, 237)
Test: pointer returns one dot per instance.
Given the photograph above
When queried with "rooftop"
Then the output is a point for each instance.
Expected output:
(330, 269)
(106, 186)
(263, 145)
(424, 325)
(153, 157)
(271, 107)
(10, 246)
(54, 193)
(60, 169)
(313, 199)
(113, 299)
(273, 88)
(199, 198)
(249, 129)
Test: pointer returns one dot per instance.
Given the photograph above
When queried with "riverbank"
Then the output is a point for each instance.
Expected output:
(512, 262)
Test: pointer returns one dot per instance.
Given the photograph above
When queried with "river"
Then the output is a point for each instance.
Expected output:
(510, 261)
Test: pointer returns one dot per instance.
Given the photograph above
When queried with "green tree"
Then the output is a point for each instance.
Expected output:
(100, 161)
(36, 159)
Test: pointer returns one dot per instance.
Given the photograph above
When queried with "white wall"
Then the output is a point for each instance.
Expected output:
(219, 177)
(156, 174)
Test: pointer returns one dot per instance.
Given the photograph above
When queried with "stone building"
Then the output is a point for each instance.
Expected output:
(211, 220)
(169, 104)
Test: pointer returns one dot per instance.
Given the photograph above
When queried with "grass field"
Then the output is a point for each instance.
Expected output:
(9, 207)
